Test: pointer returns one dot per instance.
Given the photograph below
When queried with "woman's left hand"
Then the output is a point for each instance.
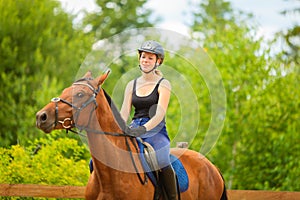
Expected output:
(136, 132)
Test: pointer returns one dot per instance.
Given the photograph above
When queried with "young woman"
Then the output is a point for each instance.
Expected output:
(149, 94)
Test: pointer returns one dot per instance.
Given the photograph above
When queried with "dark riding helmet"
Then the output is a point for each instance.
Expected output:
(154, 47)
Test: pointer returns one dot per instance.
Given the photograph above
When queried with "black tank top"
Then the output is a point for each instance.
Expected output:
(145, 106)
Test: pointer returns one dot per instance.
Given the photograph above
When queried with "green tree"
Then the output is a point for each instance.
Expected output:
(292, 37)
(230, 40)
(257, 148)
(113, 17)
(37, 45)
(269, 151)
(274, 121)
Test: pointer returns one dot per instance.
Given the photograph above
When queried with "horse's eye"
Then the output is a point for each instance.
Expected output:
(80, 95)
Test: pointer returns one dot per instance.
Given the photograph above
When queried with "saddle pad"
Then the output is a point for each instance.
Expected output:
(176, 164)
(181, 174)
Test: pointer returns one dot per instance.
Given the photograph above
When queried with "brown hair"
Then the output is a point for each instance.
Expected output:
(158, 72)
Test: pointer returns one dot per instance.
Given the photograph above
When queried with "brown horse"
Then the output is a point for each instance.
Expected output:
(118, 173)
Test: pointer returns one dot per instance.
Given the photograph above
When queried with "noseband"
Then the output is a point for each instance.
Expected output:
(67, 123)
(71, 125)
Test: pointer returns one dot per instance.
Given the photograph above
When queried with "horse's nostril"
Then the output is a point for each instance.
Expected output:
(43, 117)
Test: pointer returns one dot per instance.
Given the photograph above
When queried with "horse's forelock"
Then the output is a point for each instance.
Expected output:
(84, 79)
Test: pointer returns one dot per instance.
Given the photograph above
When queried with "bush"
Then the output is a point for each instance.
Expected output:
(48, 161)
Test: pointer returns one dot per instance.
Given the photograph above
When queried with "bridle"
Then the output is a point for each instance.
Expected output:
(69, 123)
(72, 122)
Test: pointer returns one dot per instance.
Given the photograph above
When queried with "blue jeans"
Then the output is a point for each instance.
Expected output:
(158, 138)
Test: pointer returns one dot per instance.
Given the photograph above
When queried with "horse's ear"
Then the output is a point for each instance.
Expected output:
(103, 77)
(88, 74)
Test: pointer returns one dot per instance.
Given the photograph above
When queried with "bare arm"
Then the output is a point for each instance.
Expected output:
(164, 91)
(126, 106)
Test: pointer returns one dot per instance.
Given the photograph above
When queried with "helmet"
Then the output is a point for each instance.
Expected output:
(152, 46)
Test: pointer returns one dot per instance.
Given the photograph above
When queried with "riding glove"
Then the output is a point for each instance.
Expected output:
(136, 132)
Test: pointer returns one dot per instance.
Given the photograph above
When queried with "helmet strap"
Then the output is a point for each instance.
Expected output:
(150, 70)
(155, 66)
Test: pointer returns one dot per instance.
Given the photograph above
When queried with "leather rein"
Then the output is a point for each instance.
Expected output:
(69, 123)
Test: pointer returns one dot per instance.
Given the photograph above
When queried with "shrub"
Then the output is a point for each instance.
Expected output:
(48, 161)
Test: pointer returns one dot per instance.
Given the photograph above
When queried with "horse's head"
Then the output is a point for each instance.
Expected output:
(75, 103)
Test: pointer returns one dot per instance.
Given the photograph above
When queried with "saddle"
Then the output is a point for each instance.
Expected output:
(150, 165)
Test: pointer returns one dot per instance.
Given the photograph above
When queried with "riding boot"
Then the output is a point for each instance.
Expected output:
(168, 178)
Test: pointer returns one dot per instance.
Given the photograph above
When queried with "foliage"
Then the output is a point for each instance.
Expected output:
(48, 161)
(261, 128)
(40, 51)
(45, 161)
(113, 17)
(271, 146)
(291, 38)
(37, 39)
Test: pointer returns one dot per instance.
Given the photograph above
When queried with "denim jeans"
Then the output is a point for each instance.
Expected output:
(158, 138)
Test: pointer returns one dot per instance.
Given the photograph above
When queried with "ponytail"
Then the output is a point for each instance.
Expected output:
(158, 72)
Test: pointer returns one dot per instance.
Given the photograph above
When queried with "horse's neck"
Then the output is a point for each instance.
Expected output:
(112, 151)
(106, 119)
(103, 121)
(107, 114)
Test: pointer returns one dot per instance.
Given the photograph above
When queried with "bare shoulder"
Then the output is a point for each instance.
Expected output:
(129, 85)
(165, 84)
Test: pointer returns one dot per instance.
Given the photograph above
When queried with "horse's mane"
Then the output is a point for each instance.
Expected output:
(115, 111)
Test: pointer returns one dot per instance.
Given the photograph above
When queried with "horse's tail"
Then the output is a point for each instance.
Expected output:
(224, 194)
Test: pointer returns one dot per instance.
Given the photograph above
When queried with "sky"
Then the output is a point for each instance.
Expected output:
(176, 15)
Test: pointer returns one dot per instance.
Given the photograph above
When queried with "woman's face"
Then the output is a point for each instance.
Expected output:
(147, 61)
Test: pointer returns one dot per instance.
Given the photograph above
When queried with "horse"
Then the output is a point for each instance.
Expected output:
(117, 170)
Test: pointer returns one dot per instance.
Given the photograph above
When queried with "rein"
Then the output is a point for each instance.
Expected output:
(92, 99)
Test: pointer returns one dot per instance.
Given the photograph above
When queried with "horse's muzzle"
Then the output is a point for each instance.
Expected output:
(43, 121)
